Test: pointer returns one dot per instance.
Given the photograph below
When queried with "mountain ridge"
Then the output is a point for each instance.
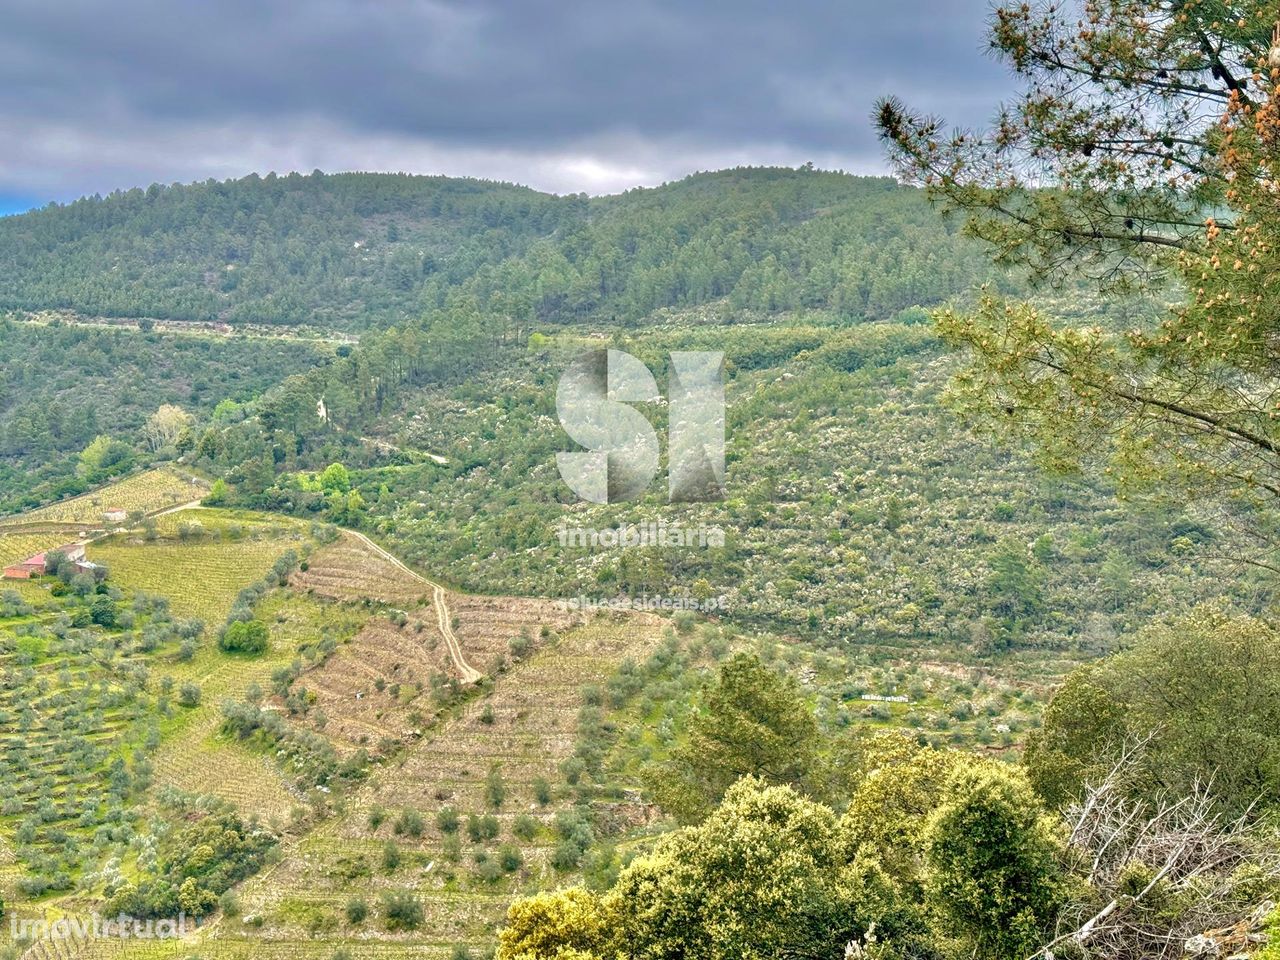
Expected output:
(353, 251)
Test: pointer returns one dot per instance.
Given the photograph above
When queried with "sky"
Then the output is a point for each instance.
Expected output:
(568, 96)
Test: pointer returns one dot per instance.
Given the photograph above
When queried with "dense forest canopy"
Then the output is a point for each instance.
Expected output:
(356, 250)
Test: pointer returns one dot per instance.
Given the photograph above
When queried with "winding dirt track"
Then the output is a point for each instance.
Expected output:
(440, 596)
(469, 673)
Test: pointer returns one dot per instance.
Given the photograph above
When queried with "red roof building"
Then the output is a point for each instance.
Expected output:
(37, 565)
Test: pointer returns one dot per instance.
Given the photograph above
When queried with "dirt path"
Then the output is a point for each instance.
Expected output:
(440, 596)
(197, 328)
(443, 618)
(386, 446)
(193, 505)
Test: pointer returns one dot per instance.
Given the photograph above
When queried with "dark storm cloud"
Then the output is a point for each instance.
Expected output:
(607, 93)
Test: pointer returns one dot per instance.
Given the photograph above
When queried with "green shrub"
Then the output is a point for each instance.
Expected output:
(357, 911)
(409, 823)
(244, 636)
(390, 857)
(447, 820)
(401, 910)
(509, 858)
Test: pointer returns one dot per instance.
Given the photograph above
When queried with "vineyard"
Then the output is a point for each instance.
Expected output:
(201, 760)
(144, 493)
(18, 546)
(199, 523)
(488, 626)
(201, 578)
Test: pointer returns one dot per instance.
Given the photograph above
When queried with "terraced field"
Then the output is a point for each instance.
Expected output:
(76, 724)
(77, 701)
(227, 524)
(349, 570)
(357, 568)
(148, 493)
(201, 578)
(525, 728)
(194, 758)
(199, 759)
(364, 688)
(15, 547)
(517, 736)
(491, 752)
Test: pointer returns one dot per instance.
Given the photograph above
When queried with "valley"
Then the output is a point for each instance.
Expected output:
(321, 683)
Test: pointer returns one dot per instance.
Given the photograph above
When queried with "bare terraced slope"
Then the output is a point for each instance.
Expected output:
(519, 729)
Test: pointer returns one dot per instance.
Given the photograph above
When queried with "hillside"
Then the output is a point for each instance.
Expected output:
(859, 511)
(358, 250)
(120, 716)
(324, 691)
(350, 770)
(440, 277)
(63, 386)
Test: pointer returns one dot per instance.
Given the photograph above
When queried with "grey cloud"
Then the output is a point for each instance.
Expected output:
(543, 83)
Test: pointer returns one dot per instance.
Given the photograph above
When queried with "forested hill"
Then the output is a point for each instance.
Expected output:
(352, 251)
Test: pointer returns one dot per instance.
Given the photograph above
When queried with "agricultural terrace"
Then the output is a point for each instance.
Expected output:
(196, 758)
(201, 575)
(18, 546)
(200, 522)
(488, 805)
(369, 691)
(349, 570)
(144, 493)
(78, 719)
(471, 807)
